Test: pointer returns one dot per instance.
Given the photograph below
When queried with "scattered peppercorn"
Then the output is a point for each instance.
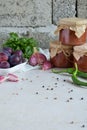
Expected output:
(67, 101)
(22, 79)
(83, 126)
(64, 80)
(30, 80)
(70, 91)
(72, 122)
(82, 98)
(51, 88)
(57, 78)
(55, 98)
(70, 98)
(43, 86)
(36, 92)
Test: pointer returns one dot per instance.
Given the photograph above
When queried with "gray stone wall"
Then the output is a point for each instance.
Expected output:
(63, 8)
(37, 18)
(25, 13)
(82, 8)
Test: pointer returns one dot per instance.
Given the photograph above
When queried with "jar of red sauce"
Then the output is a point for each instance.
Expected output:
(80, 57)
(72, 31)
(60, 55)
(68, 37)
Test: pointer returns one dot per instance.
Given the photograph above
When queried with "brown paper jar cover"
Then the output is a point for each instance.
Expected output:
(60, 55)
(72, 31)
(80, 57)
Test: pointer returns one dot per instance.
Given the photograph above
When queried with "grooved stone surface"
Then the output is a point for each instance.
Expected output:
(25, 13)
(82, 8)
(63, 8)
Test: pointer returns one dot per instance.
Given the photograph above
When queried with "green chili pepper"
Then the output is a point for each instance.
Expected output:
(75, 79)
(82, 74)
(70, 71)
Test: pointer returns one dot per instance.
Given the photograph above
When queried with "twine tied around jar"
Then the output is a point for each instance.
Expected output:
(56, 48)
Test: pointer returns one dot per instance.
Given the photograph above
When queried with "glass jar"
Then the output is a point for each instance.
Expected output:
(72, 31)
(68, 37)
(80, 57)
(82, 63)
(60, 55)
(61, 61)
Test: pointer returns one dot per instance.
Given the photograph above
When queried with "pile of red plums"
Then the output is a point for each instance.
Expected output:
(10, 58)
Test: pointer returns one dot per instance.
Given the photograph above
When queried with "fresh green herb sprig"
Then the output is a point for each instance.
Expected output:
(27, 45)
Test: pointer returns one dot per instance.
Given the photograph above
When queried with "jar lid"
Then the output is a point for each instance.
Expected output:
(79, 51)
(56, 47)
(78, 25)
(73, 21)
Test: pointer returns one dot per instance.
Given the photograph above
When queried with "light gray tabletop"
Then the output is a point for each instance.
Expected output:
(41, 100)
